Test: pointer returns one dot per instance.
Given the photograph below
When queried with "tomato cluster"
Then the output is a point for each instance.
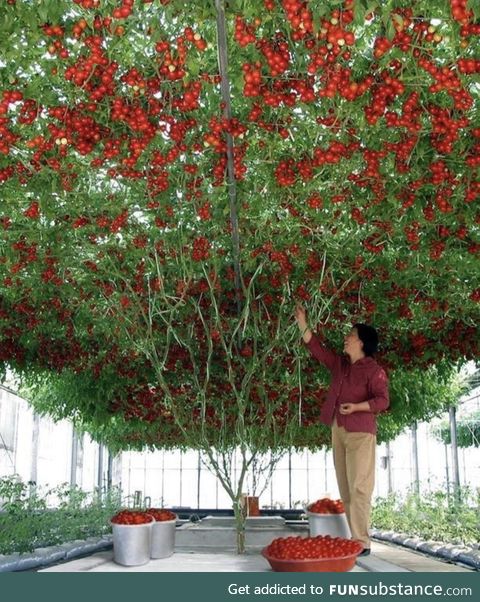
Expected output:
(201, 249)
(244, 33)
(460, 12)
(276, 53)
(131, 517)
(321, 546)
(327, 506)
(123, 11)
(161, 515)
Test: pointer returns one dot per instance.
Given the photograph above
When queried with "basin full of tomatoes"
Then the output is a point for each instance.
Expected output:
(132, 517)
(312, 554)
(326, 506)
(161, 515)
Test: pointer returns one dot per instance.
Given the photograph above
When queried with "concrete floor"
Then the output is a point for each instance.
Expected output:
(209, 545)
(180, 562)
(384, 558)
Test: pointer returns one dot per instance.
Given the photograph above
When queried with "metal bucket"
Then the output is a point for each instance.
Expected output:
(335, 525)
(131, 543)
(163, 538)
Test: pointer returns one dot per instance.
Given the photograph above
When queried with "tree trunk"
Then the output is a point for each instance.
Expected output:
(239, 512)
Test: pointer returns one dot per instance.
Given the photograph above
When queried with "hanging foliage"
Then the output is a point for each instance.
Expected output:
(352, 151)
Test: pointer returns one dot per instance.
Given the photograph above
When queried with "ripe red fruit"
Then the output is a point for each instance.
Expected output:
(322, 546)
(33, 211)
(327, 506)
(131, 517)
(161, 515)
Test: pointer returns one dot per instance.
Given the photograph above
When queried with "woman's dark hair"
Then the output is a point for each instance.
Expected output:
(369, 337)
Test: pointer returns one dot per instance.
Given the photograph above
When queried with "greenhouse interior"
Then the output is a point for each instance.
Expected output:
(239, 286)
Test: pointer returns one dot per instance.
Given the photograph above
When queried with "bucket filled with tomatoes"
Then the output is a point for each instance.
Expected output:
(163, 532)
(322, 553)
(131, 537)
(327, 517)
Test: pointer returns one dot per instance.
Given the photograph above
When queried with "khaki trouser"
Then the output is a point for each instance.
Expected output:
(354, 460)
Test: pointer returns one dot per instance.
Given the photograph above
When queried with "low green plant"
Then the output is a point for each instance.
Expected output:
(28, 520)
(436, 515)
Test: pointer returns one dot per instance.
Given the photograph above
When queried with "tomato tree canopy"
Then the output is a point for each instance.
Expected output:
(161, 212)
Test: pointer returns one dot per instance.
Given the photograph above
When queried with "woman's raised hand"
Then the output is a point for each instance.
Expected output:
(300, 315)
(301, 318)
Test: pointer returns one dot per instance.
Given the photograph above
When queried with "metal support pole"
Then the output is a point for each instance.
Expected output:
(325, 464)
(15, 448)
(308, 470)
(453, 438)
(109, 470)
(129, 472)
(163, 477)
(74, 459)
(34, 454)
(227, 113)
(447, 472)
(145, 472)
(199, 472)
(216, 492)
(181, 478)
(80, 458)
(389, 468)
(100, 467)
(289, 479)
(416, 472)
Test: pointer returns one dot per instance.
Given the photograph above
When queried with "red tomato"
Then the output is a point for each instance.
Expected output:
(327, 506)
(321, 546)
(131, 517)
(160, 514)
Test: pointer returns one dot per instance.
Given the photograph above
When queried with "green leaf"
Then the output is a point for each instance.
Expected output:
(360, 11)
(474, 6)
(193, 67)
(44, 14)
(390, 33)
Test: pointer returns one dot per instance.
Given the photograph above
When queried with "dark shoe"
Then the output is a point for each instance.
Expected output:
(365, 552)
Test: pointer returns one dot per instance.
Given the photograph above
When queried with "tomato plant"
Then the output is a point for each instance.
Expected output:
(160, 215)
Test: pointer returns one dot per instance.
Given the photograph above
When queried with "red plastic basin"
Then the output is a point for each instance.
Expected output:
(312, 565)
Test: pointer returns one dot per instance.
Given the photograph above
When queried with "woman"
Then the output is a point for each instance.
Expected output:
(358, 392)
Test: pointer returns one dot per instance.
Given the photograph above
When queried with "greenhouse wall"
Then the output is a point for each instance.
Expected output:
(177, 478)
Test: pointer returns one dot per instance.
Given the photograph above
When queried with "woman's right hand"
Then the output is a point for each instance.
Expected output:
(301, 316)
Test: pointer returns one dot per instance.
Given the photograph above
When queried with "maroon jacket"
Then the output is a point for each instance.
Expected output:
(364, 380)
